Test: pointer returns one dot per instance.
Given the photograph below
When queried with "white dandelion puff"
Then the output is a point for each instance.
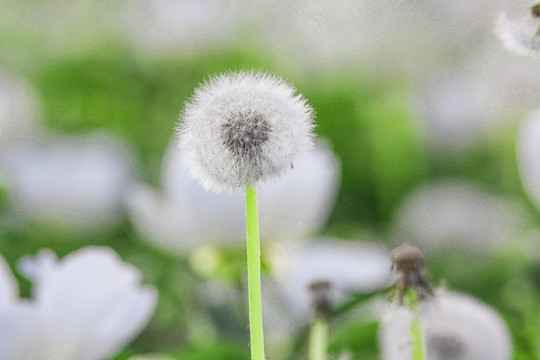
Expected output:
(455, 326)
(521, 37)
(242, 128)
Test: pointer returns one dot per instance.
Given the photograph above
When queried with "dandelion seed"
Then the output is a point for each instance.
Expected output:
(521, 37)
(243, 128)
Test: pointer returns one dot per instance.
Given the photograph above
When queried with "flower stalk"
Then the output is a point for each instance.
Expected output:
(318, 340)
(254, 274)
(322, 311)
(416, 332)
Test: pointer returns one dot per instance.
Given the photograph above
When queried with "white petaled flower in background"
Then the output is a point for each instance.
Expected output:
(349, 266)
(521, 37)
(528, 152)
(454, 326)
(76, 182)
(184, 216)
(242, 129)
(86, 306)
(456, 214)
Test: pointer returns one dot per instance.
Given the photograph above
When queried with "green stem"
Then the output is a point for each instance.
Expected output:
(417, 345)
(418, 352)
(254, 275)
(318, 340)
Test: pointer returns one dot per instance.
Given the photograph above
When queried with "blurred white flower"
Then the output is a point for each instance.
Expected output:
(86, 306)
(186, 216)
(528, 152)
(19, 109)
(454, 326)
(455, 214)
(454, 111)
(520, 37)
(242, 129)
(177, 25)
(71, 181)
(349, 266)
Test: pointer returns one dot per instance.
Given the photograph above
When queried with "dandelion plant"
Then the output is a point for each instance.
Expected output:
(238, 130)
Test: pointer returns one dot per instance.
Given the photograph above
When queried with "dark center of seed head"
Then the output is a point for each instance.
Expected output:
(244, 133)
(445, 346)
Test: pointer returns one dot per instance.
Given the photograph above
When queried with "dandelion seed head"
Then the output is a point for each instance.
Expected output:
(243, 128)
(455, 326)
(447, 346)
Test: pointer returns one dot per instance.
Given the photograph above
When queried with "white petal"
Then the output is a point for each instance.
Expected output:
(69, 181)
(79, 293)
(20, 333)
(347, 265)
(123, 321)
(528, 151)
(172, 226)
(38, 268)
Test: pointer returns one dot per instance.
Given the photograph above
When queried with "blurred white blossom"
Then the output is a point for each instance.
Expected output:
(454, 326)
(71, 181)
(455, 214)
(528, 152)
(185, 216)
(349, 266)
(86, 306)
(244, 128)
(19, 109)
(454, 110)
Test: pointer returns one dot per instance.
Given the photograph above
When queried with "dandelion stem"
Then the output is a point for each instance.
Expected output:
(318, 340)
(254, 275)
(416, 331)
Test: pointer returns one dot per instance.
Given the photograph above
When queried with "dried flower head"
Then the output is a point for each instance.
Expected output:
(320, 299)
(521, 37)
(242, 128)
(408, 261)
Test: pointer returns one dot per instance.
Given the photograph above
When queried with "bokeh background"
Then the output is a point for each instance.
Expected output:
(417, 100)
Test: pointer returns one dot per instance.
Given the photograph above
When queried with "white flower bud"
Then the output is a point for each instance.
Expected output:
(242, 128)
